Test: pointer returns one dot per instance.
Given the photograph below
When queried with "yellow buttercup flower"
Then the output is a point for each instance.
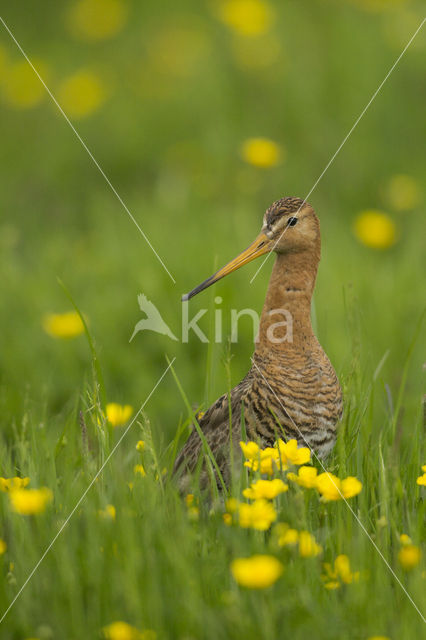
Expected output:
(403, 192)
(308, 546)
(420, 480)
(21, 87)
(8, 484)
(250, 450)
(117, 414)
(267, 461)
(247, 17)
(108, 513)
(259, 515)
(120, 630)
(30, 501)
(94, 20)
(140, 446)
(256, 572)
(305, 477)
(404, 539)
(3, 547)
(227, 518)
(81, 94)
(232, 505)
(138, 469)
(409, 556)
(351, 487)
(268, 489)
(339, 574)
(257, 459)
(290, 453)
(375, 229)
(332, 488)
(63, 325)
(189, 499)
(261, 152)
(285, 535)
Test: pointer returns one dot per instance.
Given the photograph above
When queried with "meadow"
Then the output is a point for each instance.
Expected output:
(200, 115)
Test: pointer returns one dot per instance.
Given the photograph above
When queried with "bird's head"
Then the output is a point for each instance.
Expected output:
(290, 225)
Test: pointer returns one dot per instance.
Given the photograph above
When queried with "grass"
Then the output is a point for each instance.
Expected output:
(178, 107)
(157, 566)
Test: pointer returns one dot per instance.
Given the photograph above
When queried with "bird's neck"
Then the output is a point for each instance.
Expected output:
(285, 324)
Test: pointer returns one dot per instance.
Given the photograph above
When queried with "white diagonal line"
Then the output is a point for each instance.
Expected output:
(343, 497)
(84, 494)
(355, 124)
(84, 145)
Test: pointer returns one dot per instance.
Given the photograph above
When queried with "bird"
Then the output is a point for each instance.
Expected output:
(291, 390)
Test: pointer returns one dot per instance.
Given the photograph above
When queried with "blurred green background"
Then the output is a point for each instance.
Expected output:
(165, 95)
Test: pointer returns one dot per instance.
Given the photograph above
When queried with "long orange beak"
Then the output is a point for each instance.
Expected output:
(261, 245)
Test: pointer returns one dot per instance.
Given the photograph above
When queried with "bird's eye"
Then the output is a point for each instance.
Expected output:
(291, 222)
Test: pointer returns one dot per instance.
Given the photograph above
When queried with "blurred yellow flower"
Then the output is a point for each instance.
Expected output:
(21, 87)
(290, 453)
(285, 535)
(256, 53)
(308, 546)
(259, 515)
(179, 50)
(30, 501)
(3, 546)
(81, 94)
(63, 325)
(117, 414)
(8, 484)
(378, 638)
(189, 499)
(403, 192)
(375, 229)
(409, 556)
(332, 488)
(256, 572)
(247, 17)
(261, 152)
(140, 446)
(138, 469)
(420, 480)
(108, 513)
(227, 518)
(122, 631)
(339, 573)
(305, 477)
(94, 20)
(232, 505)
(404, 539)
(267, 489)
